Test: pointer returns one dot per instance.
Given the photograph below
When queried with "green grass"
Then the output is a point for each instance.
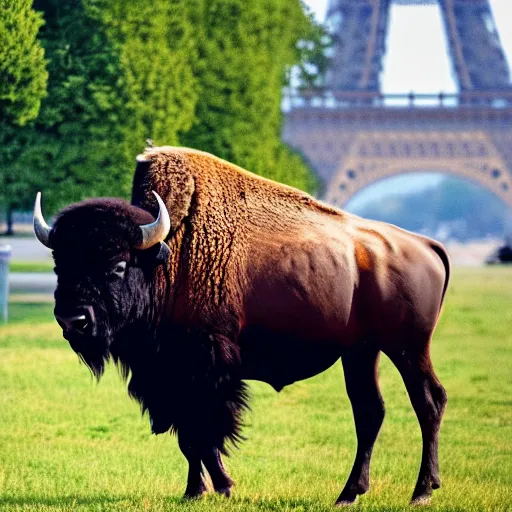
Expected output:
(31, 266)
(67, 443)
(37, 314)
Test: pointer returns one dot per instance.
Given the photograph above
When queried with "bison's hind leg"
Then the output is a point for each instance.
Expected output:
(360, 368)
(428, 398)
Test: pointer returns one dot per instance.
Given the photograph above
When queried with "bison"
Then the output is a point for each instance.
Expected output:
(241, 278)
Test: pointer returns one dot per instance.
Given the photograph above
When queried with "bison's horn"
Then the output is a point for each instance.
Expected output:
(41, 229)
(156, 231)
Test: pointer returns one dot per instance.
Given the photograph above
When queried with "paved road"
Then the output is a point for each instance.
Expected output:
(26, 248)
(32, 282)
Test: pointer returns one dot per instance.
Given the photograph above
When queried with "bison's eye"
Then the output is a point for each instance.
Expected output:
(118, 269)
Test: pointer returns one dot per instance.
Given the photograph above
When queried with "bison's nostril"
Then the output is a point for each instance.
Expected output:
(81, 322)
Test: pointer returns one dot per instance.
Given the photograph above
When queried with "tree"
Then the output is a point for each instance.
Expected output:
(245, 49)
(23, 79)
(313, 56)
(23, 74)
(120, 73)
(206, 73)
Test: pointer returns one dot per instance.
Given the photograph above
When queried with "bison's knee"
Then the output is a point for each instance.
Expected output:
(439, 397)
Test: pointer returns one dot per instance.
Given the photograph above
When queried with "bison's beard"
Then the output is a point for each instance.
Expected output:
(93, 352)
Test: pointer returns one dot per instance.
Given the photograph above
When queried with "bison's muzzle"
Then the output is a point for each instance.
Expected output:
(80, 321)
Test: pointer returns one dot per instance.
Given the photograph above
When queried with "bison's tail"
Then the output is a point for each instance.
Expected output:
(443, 255)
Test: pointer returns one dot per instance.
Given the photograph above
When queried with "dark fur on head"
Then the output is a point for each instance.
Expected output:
(88, 238)
(186, 378)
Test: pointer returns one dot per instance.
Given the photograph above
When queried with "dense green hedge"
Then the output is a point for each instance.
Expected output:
(245, 47)
(23, 83)
(23, 72)
(202, 73)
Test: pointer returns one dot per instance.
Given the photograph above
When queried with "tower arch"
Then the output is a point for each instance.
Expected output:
(374, 156)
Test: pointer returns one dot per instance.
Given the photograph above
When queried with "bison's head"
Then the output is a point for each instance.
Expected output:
(105, 252)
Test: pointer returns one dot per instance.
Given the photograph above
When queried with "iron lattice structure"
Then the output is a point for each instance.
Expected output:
(353, 135)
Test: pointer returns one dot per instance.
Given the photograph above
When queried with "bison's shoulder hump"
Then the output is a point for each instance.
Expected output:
(214, 172)
(166, 171)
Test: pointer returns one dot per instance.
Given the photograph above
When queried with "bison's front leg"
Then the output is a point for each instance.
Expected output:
(222, 483)
(196, 485)
(210, 408)
(211, 458)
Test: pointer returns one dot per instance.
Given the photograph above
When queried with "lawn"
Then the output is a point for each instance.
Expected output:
(67, 443)
(31, 266)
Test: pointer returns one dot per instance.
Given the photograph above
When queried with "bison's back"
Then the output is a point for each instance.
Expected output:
(295, 263)
(178, 173)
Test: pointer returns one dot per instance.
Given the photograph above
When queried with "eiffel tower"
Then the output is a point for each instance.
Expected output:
(353, 135)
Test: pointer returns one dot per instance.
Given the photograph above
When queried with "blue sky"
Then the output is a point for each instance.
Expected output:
(417, 60)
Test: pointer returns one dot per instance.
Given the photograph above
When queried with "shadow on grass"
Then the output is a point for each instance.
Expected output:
(132, 501)
(281, 503)
(21, 501)
(210, 502)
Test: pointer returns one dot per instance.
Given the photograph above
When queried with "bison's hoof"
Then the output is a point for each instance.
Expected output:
(345, 503)
(347, 498)
(194, 494)
(349, 495)
(421, 500)
(423, 491)
(225, 491)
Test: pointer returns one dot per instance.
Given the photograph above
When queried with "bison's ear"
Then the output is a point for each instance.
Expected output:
(169, 176)
(163, 253)
(154, 256)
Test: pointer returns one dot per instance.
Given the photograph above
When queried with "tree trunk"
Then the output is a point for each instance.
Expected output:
(10, 231)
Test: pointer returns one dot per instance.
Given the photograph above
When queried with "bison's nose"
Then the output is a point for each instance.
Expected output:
(80, 320)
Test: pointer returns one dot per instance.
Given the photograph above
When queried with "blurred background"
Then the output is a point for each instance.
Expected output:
(399, 111)
(411, 121)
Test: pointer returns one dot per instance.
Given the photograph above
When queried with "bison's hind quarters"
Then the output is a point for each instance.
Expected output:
(445, 259)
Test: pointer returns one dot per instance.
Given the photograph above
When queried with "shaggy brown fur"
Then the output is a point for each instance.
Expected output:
(226, 210)
(228, 219)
